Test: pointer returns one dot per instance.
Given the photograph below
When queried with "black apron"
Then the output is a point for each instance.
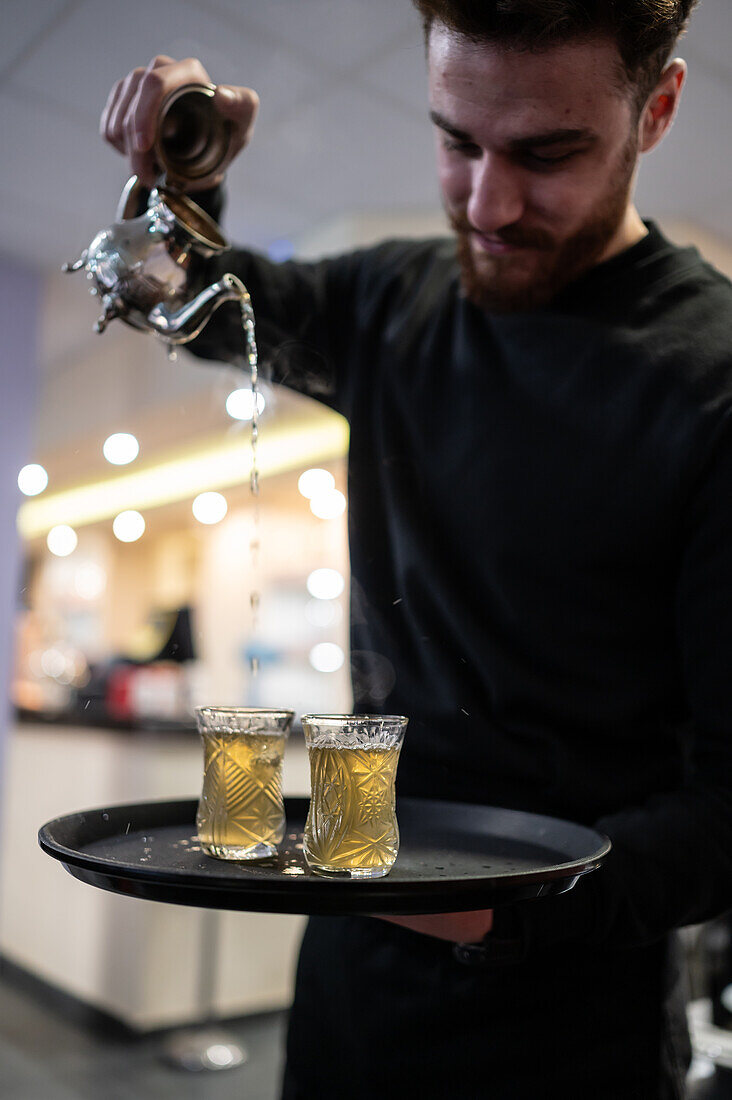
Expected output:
(382, 1013)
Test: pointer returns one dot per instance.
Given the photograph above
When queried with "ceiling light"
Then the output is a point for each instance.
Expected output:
(312, 483)
(239, 404)
(32, 479)
(325, 584)
(61, 540)
(326, 657)
(120, 448)
(209, 507)
(328, 505)
(128, 526)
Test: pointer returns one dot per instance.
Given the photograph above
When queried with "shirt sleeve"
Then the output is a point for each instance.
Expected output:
(304, 315)
(671, 861)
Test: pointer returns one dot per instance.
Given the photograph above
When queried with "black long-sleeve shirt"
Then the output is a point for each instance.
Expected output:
(540, 520)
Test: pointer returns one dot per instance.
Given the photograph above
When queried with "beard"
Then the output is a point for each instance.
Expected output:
(508, 284)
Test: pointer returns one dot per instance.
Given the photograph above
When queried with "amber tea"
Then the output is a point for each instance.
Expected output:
(241, 813)
(351, 828)
(352, 824)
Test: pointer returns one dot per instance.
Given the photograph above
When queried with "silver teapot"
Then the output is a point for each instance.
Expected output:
(145, 267)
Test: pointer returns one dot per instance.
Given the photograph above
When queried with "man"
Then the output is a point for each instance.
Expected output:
(541, 549)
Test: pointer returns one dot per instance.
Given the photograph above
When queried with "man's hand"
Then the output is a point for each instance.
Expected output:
(129, 119)
(457, 927)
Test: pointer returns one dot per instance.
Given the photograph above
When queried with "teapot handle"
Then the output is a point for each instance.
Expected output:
(129, 201)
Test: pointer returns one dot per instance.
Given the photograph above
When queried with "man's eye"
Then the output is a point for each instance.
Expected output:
(467, 148)
(544, 161)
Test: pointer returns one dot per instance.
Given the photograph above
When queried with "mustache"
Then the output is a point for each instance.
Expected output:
(510, 234)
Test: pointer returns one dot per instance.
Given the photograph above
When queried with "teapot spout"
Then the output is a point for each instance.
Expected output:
(77, 264)
(184, 324)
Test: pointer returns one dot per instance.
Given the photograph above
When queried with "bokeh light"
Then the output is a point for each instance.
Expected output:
(32, 479)
(325, 584)
(328, 505)
(90, 580)
(326, 657)
(128, 526)
(62, 540)
(240, 406)
(120, 448)
(323, 613)
(209, 507)
(314, 482)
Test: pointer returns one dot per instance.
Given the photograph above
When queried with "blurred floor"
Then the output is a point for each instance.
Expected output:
(47, 1053)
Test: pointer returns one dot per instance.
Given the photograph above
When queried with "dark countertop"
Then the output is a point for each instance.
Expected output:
(99, 718)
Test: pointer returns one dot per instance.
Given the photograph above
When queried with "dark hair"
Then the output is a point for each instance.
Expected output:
(645, 30)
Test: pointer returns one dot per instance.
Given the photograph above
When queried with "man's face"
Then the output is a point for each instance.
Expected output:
(536, 157)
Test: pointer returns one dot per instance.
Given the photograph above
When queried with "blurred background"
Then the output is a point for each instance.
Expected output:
(127, 522)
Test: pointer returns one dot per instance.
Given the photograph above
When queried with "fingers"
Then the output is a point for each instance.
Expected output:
(137, 140)
(130, 113)
(105, 128)
(130, 116)
(158, 81)
(144, 167)
(113, 121)
(124, 92)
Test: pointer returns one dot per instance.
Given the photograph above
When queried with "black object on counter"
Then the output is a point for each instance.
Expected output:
(452, 856)
(179, 645)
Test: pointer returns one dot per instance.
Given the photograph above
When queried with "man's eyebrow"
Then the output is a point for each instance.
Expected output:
(448, 127)
(533, 141)
(554, 137)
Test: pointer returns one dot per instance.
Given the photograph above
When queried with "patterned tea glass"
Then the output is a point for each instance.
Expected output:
(240, 813)
(351, 828)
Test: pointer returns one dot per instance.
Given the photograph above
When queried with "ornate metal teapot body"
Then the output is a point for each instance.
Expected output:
(146, 266)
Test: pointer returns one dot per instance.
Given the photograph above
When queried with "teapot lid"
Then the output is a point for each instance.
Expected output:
(192, 138)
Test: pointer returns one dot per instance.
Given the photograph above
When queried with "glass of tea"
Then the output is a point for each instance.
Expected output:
(351, 828)
(241, 814)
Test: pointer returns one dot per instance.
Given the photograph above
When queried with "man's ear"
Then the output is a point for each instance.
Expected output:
(663, 102)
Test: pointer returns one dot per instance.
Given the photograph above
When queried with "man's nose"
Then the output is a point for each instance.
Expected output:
(496, 199)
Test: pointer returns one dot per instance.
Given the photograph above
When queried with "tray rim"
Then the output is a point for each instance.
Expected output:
(295, 895)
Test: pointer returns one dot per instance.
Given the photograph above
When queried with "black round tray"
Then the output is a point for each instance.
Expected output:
(452, 857)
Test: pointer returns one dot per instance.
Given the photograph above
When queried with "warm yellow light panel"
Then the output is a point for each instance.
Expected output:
(280, 448)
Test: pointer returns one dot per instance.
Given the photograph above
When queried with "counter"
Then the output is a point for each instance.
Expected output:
(139, 961)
